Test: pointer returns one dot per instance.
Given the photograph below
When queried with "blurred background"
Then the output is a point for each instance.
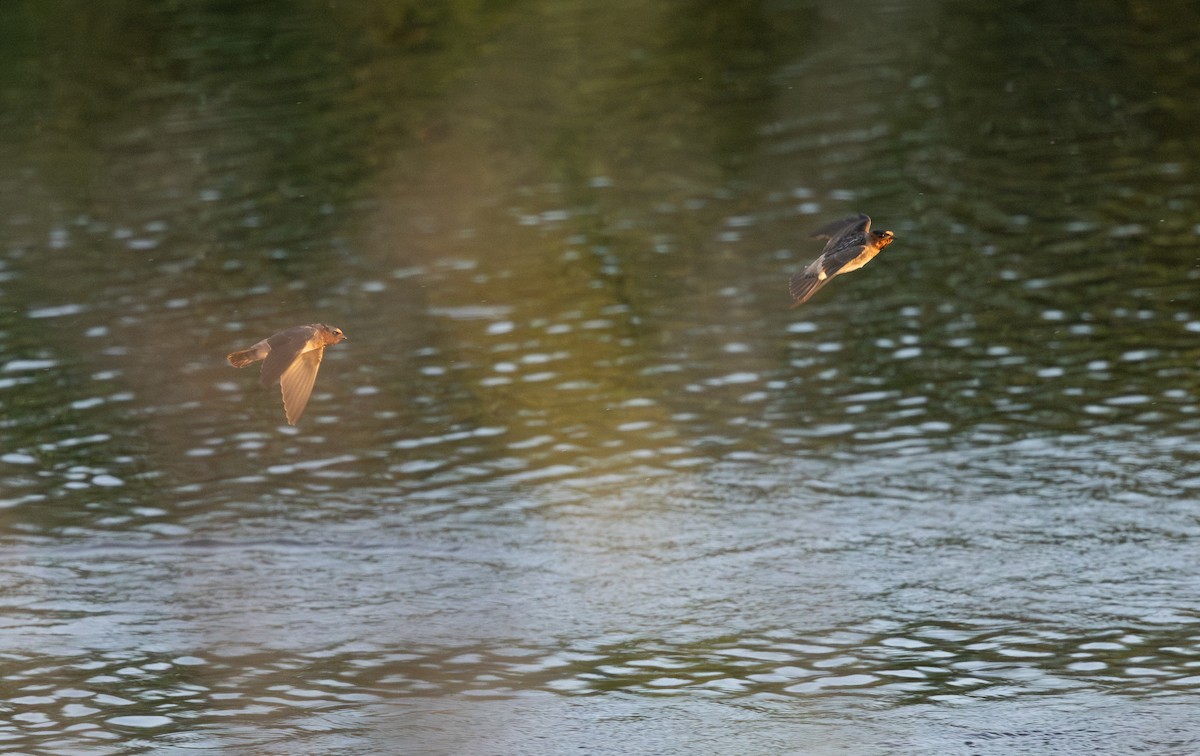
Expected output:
(580, 481)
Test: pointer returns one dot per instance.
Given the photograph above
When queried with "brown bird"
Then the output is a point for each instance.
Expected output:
(291, 359)
(852, 244)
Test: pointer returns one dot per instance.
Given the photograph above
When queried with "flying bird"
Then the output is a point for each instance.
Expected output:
(291, 359)
(852, 244)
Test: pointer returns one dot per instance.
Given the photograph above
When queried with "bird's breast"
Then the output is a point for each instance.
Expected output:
(867, 255)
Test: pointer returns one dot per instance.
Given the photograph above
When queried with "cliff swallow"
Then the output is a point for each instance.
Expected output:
(852, 244)
(291, 359)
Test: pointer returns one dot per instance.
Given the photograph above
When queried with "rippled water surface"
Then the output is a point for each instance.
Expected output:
(580, 481)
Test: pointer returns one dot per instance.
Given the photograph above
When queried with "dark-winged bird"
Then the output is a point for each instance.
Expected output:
(291, 359)
(852, 244)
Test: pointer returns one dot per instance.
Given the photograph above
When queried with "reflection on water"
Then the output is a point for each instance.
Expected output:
(580, 480)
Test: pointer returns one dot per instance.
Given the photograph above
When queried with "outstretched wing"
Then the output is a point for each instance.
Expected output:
(836, 257)
(860, 223)
(296, 383)
(285, 348)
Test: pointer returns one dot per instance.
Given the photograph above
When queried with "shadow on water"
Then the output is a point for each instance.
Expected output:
(579, 479)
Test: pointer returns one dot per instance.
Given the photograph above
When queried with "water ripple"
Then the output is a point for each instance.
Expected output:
(943, 663)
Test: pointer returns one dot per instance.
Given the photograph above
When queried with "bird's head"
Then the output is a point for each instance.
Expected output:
(333, 335)
(883, 238)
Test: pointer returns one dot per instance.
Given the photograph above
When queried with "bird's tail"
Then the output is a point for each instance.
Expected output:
(802, 286)
(243, 358)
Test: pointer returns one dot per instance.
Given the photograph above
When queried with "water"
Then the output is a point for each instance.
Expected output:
(580, 480)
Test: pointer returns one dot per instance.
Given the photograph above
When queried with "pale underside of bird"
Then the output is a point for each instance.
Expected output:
(291, 358)
(852, 244)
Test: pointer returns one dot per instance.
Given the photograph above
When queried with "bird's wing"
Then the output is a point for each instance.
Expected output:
(285, 348)
(296, 383)
(839, 252)
(860, 223)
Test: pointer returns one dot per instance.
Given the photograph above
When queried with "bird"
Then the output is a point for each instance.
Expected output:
(291, 359)
(852, 244)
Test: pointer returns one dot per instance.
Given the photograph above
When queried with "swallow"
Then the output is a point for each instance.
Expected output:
(852, 244)
(291, 359)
